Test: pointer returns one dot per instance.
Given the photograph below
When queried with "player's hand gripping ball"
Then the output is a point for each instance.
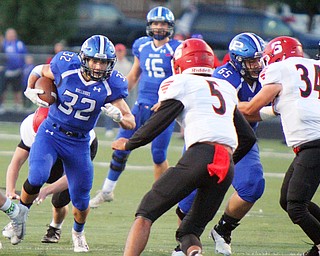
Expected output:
(50, 91)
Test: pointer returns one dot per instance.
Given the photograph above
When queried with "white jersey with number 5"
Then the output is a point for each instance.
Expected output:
(209, 105)
(298, 103)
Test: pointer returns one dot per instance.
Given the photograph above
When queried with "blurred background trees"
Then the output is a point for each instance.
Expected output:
(38, 22)
(44, 22)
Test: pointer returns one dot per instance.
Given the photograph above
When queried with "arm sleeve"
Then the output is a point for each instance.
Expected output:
(157, 123)
(246, 136)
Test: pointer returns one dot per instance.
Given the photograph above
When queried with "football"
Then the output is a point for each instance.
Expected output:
(50, 92)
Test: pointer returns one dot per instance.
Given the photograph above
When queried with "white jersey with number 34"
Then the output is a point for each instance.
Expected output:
(298, 103)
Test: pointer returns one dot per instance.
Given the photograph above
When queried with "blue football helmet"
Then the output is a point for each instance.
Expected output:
(160, 14)
(243, 47)
(100, 48)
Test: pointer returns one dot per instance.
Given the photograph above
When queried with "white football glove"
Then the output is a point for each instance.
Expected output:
(33, 95)
(112, 111)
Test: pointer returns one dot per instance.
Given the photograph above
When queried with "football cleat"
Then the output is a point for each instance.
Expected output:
(19, 224)
(79, 242)
(7, 231)
(313, 252)
(177, 251)
(100, 198)
(222, 246)
(52, 235)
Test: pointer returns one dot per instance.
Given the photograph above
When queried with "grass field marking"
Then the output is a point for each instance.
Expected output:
(4, 136)
(277, 154)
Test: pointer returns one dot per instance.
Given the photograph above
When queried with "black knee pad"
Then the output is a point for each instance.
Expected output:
(61, 199)
(31, 190)
(118, 163)
(120, 159)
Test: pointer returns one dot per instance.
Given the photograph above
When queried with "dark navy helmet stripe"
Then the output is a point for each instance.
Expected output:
(256, 41)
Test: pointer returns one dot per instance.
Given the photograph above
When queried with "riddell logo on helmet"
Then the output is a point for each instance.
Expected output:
(201, 70)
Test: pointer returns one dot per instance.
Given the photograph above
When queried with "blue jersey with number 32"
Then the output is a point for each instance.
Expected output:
(78, 104)
(155, 65)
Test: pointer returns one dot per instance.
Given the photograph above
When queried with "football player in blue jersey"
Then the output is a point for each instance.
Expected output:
(60, 198)
(86, 85)
(242, 71)
(152, 64)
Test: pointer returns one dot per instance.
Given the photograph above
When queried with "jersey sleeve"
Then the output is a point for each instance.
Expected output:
(136, 45)
(271, 74)
(119, 86)
(228, 73)
(62, 62)
(171, 88)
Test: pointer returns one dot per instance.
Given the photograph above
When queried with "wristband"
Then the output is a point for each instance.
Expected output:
(37, 70)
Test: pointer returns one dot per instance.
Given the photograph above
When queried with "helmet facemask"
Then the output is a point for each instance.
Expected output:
(251, 67)
(159, 34)
(94, 74)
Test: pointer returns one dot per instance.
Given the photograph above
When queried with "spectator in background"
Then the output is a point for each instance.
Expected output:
(2, 69)
(58, 47)
(123, 65)
(29, 65)
(15, 51)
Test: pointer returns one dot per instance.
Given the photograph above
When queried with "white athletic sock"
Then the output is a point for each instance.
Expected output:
(10, 208)
(108, 185)
(56, 225)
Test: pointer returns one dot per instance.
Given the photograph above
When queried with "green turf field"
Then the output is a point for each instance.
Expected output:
(266, 230)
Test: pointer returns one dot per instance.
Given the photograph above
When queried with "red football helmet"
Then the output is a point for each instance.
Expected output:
(193, 56)
(281, 48)
(40, 114)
